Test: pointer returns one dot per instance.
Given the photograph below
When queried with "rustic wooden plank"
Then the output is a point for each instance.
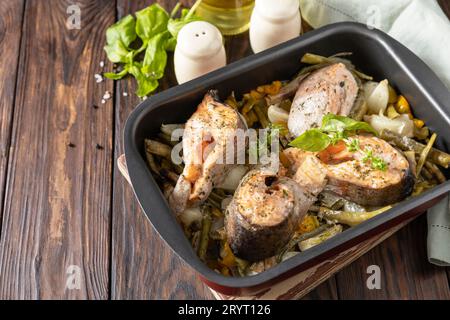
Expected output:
(57, 202)
(143, 267)
(11, 14)
(325, 291)
(405, 271)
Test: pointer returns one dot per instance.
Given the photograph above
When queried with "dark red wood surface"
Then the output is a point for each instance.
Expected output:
(64, 205)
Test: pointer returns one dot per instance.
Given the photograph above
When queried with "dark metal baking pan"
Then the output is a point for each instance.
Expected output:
(374, 52)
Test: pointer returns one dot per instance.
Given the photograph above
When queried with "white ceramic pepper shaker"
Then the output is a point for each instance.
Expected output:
(274, 22)
(199, 50)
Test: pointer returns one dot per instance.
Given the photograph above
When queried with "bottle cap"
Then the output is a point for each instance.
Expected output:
(277, 10)
(199, 39)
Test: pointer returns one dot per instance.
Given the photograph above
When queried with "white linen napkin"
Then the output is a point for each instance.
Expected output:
(422, 26)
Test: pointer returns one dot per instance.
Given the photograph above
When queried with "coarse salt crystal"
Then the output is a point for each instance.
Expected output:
(125, 94)
(102, 64)
(103, 101)
(107, 95)
(98, 78)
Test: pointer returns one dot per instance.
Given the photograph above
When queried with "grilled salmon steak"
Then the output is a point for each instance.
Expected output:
(264, 214)
(331, 89)
(210, 130)
(357, 180)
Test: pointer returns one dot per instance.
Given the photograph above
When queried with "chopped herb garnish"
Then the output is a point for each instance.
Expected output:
(376, 162)
(353, 145)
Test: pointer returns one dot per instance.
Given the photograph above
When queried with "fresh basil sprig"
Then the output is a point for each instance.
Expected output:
(334, 128)
(157, 32)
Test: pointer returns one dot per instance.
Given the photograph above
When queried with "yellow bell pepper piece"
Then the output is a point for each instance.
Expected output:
(402, 105)
(393, 97)
(308, 224)
(228, 258)
(419, 123)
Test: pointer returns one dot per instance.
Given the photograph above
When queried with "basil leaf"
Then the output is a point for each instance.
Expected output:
(332, 125)
(155, 58)
(349, 124)
(312, 140)
(151, 21)
(171, 43)
(361, 126)
(145, 85)
(116, 76)
(122, 31)
(118, 52)
(174, 25)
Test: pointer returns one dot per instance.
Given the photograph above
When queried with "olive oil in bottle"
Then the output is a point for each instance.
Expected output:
(230, 16)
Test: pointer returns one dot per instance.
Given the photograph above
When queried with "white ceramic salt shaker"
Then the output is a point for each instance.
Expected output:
(274, 22)
(199, 50)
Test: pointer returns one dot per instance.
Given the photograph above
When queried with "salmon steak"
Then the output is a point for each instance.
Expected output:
(264, 214)
(331, 89)
(355, 178)
(205, 139)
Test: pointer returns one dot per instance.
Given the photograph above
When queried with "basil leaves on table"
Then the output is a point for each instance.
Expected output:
(157, 33)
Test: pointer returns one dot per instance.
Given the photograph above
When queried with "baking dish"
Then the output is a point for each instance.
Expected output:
(374, 53)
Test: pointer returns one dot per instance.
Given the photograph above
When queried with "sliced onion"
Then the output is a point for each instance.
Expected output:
(369, 87)
(277, 114)
(233, 178)
(225, 202)
(402, 125)
(191, 215)
(377, 97)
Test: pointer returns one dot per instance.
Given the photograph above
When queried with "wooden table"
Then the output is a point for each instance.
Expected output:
(70, 225)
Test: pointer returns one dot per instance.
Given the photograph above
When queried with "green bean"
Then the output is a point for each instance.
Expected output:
(361, 75)
(322, 237)
(426, 174)
(298, 238)
(288, 90)
(436, 156)
(435, 171)
(151, 162)
(350, 218)
(424, 154)
(204, 236)
(248, 106)
(168, 129)
(158, 148)
(166, 139)
(315, 59)
(171, 176)
(261, 116)
(311, 58)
